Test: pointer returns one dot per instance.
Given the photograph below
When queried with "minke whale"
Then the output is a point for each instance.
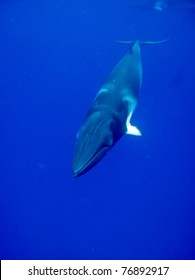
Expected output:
(161, 5)
(109, 117)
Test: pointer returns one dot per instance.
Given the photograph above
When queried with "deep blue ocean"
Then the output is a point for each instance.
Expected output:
(138, 201)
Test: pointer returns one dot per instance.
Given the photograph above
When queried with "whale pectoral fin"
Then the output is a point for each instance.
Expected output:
(133, 130)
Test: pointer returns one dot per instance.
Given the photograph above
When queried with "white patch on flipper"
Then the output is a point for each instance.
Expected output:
(133, 130)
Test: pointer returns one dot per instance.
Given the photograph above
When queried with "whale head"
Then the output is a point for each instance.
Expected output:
(95, 138)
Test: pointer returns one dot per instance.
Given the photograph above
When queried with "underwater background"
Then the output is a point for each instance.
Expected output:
(138, 202)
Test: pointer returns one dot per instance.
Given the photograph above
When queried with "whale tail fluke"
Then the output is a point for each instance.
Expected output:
(132, 42)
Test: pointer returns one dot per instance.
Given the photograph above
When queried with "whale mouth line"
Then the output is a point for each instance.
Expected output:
(91, 161)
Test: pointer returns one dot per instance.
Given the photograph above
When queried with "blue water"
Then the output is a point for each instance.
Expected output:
(138, 202)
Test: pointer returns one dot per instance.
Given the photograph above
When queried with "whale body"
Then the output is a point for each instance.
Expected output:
(110, 114)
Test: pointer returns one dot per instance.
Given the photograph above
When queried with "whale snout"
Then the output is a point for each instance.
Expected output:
(94, 140)
(84, 164)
